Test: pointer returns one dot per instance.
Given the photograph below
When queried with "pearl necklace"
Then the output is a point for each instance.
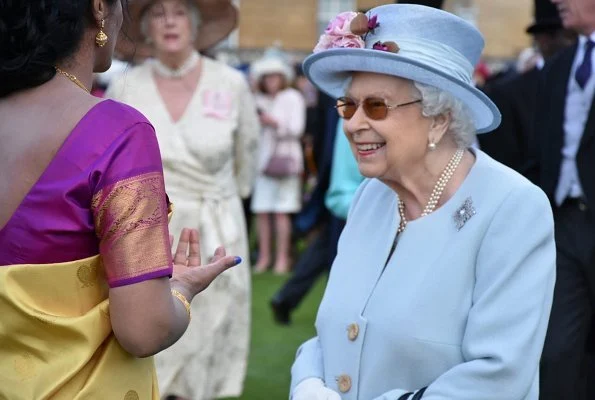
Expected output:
(437, 191)
(167, 72)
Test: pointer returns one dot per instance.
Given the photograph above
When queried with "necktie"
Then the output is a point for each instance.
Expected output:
(583, 72)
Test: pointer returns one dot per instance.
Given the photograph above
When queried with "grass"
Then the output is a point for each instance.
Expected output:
(273, 347)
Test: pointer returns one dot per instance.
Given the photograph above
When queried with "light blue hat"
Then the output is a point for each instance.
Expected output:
(433, 47)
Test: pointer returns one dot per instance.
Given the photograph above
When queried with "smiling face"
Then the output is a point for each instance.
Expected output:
(170, 26)
(578, 15)
(384, 148)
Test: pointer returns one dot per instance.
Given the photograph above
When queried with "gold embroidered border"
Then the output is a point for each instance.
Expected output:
(131, 223)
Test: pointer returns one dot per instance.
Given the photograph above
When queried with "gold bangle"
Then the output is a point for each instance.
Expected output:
(184, 301)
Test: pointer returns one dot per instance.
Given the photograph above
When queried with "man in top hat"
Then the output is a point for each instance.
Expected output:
(515, 96)
(564, 138)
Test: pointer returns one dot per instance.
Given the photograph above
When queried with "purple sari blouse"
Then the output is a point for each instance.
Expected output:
(103, 193)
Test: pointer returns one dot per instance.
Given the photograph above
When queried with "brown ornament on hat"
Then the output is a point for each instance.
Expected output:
(218, 18)
(359, 25)
(389, 46)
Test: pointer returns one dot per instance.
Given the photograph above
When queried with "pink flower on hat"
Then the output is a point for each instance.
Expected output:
(332, 42)
(349, 42)
(341, 24)
(340, 32)
(325, 42)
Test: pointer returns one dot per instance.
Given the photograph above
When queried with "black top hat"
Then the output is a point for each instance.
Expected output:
(547, 18)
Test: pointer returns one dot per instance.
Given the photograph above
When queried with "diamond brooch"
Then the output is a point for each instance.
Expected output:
(464, 213)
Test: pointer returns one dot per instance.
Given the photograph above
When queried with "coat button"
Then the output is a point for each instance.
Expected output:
(344, 383)
(353, 332)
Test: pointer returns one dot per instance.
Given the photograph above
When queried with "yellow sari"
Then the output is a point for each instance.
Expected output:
(56, 338)
(60, 344)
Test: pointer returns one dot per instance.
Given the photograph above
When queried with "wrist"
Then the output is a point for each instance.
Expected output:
(182, 288)
(184, 301)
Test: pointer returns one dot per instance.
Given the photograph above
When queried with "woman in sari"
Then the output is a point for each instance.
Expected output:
(208, 131)
(86, 288)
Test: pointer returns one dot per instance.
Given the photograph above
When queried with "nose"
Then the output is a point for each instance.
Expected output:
(169, 19)
(357, 122)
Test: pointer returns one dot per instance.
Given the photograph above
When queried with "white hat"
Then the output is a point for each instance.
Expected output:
(419, 43)
(271, 65)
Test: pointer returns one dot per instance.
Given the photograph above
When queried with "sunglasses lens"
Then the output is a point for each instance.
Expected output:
(375, 108)
(346, 107)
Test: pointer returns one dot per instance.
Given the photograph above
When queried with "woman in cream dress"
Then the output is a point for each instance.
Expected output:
(208, 131)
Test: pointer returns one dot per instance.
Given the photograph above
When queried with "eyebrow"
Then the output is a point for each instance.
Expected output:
(383, 94)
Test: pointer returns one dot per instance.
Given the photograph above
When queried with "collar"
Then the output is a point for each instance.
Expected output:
(582, 39)
(167, 72)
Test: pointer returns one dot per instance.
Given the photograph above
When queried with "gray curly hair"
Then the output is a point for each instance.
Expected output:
(436, 101)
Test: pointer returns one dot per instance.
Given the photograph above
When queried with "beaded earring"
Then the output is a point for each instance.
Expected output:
(101, 38)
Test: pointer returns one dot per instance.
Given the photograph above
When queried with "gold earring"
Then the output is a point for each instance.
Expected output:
(101, 38)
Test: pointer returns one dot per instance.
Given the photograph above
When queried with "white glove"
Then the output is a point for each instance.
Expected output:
(313, 389)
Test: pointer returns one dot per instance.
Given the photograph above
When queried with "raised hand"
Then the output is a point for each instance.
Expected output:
(188, 271)
(187, 254)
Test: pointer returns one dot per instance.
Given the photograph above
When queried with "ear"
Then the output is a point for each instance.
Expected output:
(439, 127)
(100, 10)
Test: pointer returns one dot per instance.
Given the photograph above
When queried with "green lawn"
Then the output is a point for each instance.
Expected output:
(273, 347)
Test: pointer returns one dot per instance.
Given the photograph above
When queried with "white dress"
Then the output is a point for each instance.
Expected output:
(209, 161)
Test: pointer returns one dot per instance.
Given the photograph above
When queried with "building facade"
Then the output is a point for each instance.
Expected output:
(297, 24)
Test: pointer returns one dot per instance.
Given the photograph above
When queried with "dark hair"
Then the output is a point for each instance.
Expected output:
(35, 35)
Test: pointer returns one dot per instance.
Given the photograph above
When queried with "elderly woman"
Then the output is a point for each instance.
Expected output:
(443, 281)
(208, 132)
(277, 190)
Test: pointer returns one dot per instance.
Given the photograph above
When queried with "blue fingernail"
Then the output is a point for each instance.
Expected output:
(238, 260)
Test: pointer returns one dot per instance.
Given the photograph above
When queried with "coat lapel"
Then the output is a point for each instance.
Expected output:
(364, 246)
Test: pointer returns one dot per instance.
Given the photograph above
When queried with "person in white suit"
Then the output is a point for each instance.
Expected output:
(443, 281)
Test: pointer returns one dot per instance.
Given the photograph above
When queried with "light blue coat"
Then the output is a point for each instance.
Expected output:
(463, 312)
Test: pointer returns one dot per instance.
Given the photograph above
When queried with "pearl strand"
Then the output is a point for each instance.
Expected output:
(436, 194)
(165, 71)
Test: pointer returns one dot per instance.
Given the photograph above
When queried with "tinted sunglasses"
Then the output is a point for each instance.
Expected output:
(375, 108)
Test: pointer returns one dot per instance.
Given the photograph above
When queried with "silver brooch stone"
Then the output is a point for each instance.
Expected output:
(464, 213)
